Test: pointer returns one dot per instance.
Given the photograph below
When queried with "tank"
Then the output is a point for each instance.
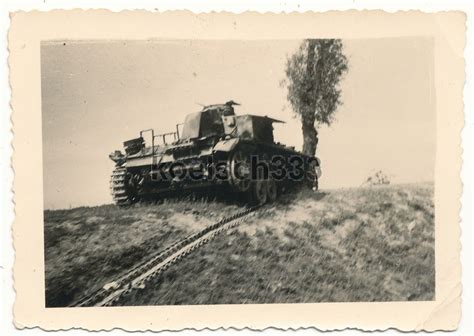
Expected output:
(213, 150)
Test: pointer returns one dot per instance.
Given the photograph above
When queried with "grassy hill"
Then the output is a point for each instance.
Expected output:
(365, 244)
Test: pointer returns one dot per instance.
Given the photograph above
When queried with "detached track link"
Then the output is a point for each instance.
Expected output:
(144, 271)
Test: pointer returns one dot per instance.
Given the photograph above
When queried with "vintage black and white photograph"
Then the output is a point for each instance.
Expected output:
(206, 172)
(201, 171)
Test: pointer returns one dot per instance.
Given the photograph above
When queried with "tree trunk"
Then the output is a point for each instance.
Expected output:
(308, 117)
(310, 138)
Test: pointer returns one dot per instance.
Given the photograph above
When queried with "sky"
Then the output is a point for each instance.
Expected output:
(97, 94)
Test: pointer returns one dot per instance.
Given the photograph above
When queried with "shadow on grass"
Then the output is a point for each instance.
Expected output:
(319, 195)
(224, 196)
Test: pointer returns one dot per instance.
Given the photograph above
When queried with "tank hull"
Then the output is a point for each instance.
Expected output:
(216, 150)
(210, 169)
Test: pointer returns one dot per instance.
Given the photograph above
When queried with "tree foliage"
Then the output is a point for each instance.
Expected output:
(313, 75)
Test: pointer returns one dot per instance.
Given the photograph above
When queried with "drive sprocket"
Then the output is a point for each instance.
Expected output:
(120, 187)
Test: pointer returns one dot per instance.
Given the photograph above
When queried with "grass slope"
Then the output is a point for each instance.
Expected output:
(367, 244)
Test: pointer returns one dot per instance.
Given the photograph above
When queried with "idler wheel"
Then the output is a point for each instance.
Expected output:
(312, 174)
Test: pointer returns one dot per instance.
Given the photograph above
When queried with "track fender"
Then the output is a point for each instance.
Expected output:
(226, 145)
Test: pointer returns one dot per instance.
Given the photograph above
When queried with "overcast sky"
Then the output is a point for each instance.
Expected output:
(95, 95)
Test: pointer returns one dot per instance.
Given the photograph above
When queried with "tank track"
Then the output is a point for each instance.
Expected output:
(139, 275)
(118, 187)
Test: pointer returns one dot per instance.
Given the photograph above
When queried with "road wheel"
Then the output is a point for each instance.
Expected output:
(259, 192)
(239, 169)
(272, 190)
